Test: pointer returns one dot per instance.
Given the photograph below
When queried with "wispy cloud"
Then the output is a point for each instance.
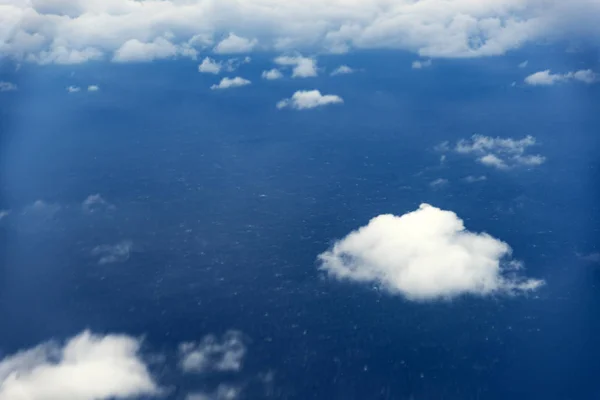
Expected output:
(116, 253)
(547, 78)
(213, 354)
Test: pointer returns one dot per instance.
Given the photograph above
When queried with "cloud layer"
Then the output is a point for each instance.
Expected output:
(306, 99)
(87, 367)
(424, 255)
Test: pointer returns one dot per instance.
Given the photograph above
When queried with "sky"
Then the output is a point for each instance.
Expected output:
(352, 199)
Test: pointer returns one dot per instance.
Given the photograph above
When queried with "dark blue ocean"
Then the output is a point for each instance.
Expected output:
(228, 201)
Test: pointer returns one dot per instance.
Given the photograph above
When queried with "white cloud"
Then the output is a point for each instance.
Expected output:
(305, 99)
(272, 74)
(547, 78)
(95, 203)
(421, 64)
(342, 70)
(303, 67)
(473, 179)
(223, 392)
(227, 83)
(212, 354)
(209, 66)
(135, 50)
(523, 64)
(439, 183)
(116, 253)
(93, 88)
(7, 86)
(73, 89)
(87, 367)
(501, 153)
(234, 63)
(4, 214)
(233, 44)
(78, 30)
(426, 254)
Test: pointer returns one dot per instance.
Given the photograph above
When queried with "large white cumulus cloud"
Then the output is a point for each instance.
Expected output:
(74, 31)
(423, 255)
(87, 367)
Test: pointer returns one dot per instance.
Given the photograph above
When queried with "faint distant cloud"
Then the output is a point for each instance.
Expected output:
(547, 78)
(523, 64)
(473, 179)
(227, 83)
(95, 203)
(439, 183)
(500, 153)
(4, 214)
(213, 354)
(272, 74)
(7, 86)
(306, 99)
(209, 66)
(73, 89)
(420, 64)
(116, 253)
(235, 44)
(234, 63)
(223, 392)
(93, 88)
(342, 70)
(590, 257)
(42, 209)
(303, 67)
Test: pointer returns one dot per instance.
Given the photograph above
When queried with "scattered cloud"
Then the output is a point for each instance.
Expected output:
(40, 208)
(73, 89)
(234, 63)
(497, 152)
(7, 86)
(306, 99)
(109, 254)
(272, 74)
(426, 254)
(135, 50)
(95, 203)
(93, 88)
(590, 257)
(547, 78)
(439, 183)
(209, 66)
(342, 70)
(227, 83)
(474, 179)
(234, 44)
(4, 214)
(523, 64)
(212, 354)
(223, 392)
(86, 367)
(421, 64)
(303, 67)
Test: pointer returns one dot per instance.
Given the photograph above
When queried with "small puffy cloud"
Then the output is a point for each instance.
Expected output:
(135, 50)
(439, 183)
(523, 64)
(95, 203)
(93, 88)
(73, 89)
(7, 86)
(342, 70)
(209, 66)
(547, 78)
(501, 153)
(227, 83)
(421, 64)
(423, 255)
(116, 253)
(87, 367)
(213, 354)
(303, 67)
(474, 179)
(305, 99)
(233, 44)
(272, 74)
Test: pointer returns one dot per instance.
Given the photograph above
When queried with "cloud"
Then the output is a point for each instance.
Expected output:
(212, 354)
(501, 153)
(591, 257)
(40, 208)
(7, 86)
(87, 367)
(303, 67)
(523, 64)
(439, 183)
(342, 70)
(73, 89)
(421, 64)
(93, 88)
(209, 66)
(116, 253)
(426, 254)
(547, 78)
(95, 203)
(233, 44)
(234, 63)
(272, 74)
(135, 50)
(227, 83)
(223, 392)
(306, 99)
(473, 179)
(4, 214)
